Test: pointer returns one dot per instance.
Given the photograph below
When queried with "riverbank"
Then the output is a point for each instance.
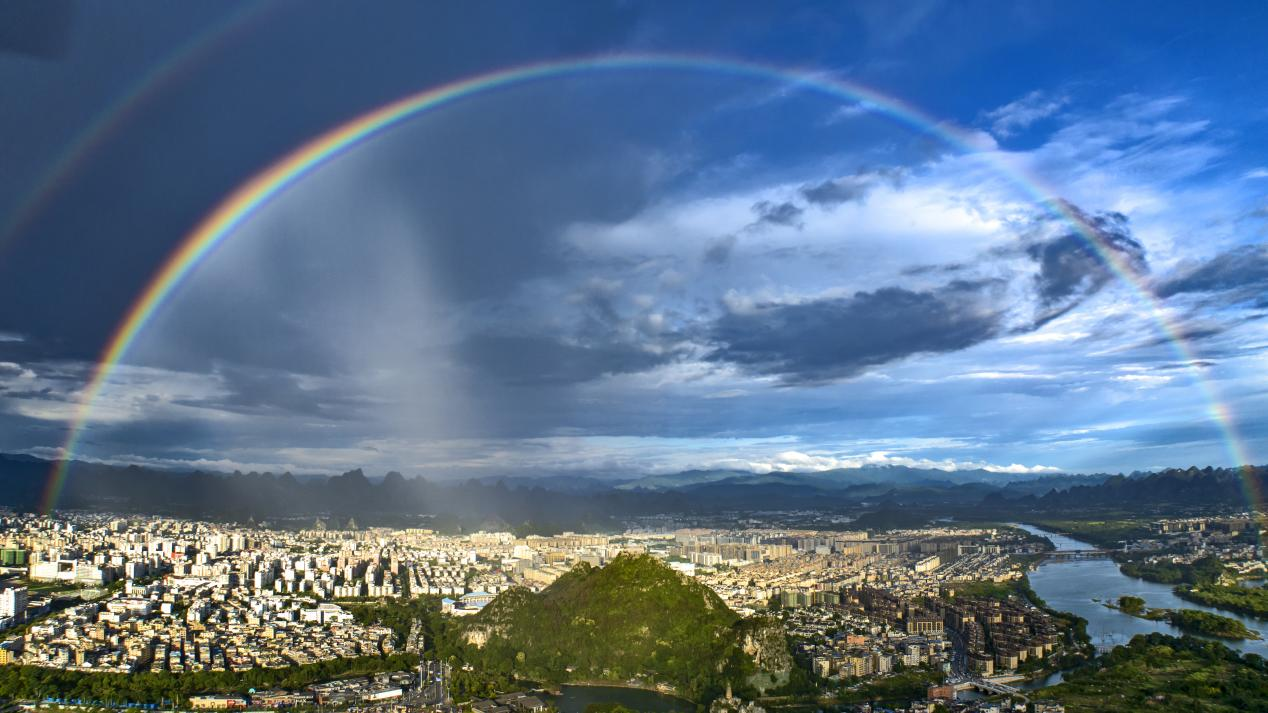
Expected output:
(577, 697)
(1248, 601)
(1079, 587)
(1103, 534)
(1160, 672)
(1204, 581)
(1190, 621)
(667, 690)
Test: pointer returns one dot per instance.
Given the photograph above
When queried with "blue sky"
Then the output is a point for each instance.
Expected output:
(645, 270)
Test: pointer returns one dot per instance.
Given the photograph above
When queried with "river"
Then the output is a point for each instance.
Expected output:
(1075, 586)
(575, 699)
(1072, 586)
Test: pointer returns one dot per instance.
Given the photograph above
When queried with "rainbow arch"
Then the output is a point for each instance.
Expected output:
(274, 180)
(109, 121)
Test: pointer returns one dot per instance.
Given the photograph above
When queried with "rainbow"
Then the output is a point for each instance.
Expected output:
(98, 132)
(270, 183)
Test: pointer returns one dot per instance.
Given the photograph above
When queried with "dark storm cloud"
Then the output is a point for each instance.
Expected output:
(1242, 273)
(1193, 332)
(40, 28)
(265, 391)
(45, 394)
(543, 360)
(1070, 270)
(157, 434)
(785, 213)
(10, 369)
(596, 302)
(947, 269)
(836, 338)
(189, 143)
(846, 189)
(719, 250)
(1195, 364)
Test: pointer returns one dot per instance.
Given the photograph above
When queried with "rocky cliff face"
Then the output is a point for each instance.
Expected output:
(765, 641)
(499, 616)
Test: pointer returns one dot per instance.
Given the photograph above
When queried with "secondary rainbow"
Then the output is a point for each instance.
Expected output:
(98, 132)
(265, 186)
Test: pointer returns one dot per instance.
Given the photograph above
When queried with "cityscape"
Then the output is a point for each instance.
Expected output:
(625, 356)
(943, 614)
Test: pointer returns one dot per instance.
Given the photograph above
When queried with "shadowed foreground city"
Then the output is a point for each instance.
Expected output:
(633, 357)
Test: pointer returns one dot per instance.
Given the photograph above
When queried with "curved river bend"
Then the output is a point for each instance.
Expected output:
(1072, 586)
(1075, 586)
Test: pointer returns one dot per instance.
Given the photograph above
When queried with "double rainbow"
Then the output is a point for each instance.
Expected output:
(126, 105)
(267, 185)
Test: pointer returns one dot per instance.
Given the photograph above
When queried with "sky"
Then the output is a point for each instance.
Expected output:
(645, 269)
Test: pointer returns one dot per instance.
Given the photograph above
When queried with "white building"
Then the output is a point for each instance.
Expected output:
(13, 602)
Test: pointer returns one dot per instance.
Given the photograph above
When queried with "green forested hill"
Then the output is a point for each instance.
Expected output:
(633, 619)
(1156, 672)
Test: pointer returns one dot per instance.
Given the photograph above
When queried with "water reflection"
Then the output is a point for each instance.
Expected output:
(1080, 587)
(575, 699)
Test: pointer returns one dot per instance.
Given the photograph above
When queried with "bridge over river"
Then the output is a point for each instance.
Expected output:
(1066, 555)
(995, 686)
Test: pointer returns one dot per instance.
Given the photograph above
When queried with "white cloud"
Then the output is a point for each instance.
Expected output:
(797, 461)
(1000, 375)
(1255, 173)
(845, 112)
(1018, 115)
(1144, 380)
(15, 370)
(1052, 336)
(203, 463)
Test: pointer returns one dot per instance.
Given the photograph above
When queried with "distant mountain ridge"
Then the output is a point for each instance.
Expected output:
(560, 503)
(833, 478)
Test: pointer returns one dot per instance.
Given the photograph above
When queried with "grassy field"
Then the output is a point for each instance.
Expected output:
(49, 589)
(988, 590)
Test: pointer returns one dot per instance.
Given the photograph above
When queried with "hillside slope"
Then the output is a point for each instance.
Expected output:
(634, 619)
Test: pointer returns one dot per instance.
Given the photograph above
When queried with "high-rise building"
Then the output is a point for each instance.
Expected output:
(13, 602)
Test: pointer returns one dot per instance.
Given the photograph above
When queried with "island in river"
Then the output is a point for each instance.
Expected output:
(1080, 586)
(1190, 621)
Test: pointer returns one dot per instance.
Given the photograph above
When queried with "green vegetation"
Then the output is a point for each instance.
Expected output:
(1131, 605)
(398, 614)
(1102, 533)
(1190, 621)
(634, 619)
(1198, 582)
(1202, 571)
(1250, 601)
(1160, 672)
(899, 688)
(35, 683)
(1019, 587)
(51, 589)
(608, 708)
(1200, 622)
(891, 518)
(984, 589)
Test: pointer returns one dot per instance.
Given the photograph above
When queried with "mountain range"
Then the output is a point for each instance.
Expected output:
(577, 502)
